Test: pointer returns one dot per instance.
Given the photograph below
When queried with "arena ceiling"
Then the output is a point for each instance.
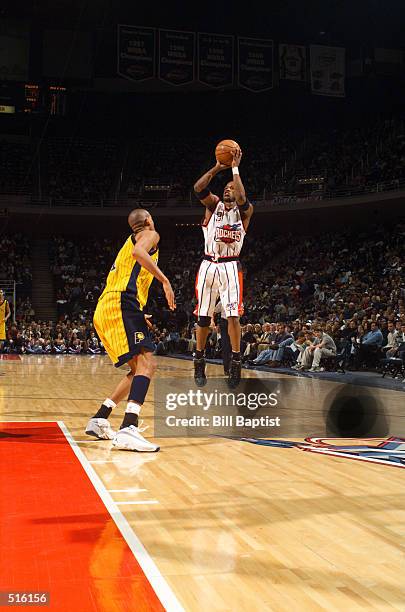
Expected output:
(374, 22)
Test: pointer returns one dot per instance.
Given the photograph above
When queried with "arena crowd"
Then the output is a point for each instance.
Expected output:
(84, 170)
(346, 287)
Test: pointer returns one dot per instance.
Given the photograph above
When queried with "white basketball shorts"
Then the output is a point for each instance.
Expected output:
(223, 279)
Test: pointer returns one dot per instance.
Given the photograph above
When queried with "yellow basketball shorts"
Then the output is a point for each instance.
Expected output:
(2, 330)
(121, 327)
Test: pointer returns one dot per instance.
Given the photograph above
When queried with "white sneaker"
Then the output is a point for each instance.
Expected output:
(100, 428)
(130, 438)
(316, 369)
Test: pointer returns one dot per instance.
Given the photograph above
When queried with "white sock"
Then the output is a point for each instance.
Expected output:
(109, 403)
(133, 407)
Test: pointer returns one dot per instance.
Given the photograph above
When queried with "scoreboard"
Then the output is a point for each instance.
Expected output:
(32, 98)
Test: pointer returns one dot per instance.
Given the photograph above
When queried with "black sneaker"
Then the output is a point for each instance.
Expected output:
(234, 374)
(199, 372)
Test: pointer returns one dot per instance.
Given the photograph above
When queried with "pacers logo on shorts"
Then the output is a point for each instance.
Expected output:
(139, 336)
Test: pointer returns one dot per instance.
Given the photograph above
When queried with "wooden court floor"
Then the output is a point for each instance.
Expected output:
(231, 525)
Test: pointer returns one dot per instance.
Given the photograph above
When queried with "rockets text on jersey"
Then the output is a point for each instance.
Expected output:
(224, 232)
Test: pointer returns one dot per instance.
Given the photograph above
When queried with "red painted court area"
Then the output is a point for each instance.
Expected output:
(56, 534)
(10, 357)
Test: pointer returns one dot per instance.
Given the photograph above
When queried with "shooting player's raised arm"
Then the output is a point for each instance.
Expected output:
(201, 190)
(245, 207)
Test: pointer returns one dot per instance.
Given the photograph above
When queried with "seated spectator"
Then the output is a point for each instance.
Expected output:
(60, 344)
(398, 350)
(161, 340)
(75, 345)
(93, 345)
(274, 354)
(309, 340)
(391, 335)
(323, 346)
(173, 340)
(265, 338)
(369, 347)
(249, 342)
(294, 350)
(34, 346)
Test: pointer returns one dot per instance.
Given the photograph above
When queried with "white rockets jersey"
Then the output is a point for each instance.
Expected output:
(224, 232)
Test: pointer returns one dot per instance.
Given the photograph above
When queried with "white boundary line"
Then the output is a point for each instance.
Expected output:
(158, 583)
(126, 490)
(144, 501)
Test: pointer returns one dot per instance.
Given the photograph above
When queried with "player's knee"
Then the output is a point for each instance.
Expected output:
(133, 365)
(147, 364)
(152, 365)
(233, 320)
(204, 321)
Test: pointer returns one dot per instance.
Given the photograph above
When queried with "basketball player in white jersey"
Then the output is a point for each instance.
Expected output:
(224, 227)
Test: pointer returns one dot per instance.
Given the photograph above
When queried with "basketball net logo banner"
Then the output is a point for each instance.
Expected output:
(176, 57)
(255, 63)
(292, 61)
(390, 451)
(215, 59)
(136, 52)
(328, 71)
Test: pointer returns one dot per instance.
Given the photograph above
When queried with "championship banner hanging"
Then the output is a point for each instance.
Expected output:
(14, 55)
(292, 62)
(176, 57)
(136, 52)
(215, 59)
(328, 71)
(255, 63)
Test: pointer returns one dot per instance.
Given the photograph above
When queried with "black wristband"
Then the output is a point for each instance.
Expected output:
(201, 195)
(244, 206)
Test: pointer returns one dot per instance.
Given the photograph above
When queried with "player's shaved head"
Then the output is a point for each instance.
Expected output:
(138, 219)
(138, 215)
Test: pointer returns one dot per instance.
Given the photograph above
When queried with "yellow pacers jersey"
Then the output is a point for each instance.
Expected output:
(3, 313)
(128, 276)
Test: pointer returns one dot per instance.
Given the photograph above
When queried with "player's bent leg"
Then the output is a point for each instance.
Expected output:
(206, 292)
(225, 345)
(129, 437)
(234, 333)
(146, 364)
(122, 389)
(235, 368)
(199, 360)
(99, 426)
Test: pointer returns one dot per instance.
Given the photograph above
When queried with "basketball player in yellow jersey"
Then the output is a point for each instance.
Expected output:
(122, 328)
(5, 313)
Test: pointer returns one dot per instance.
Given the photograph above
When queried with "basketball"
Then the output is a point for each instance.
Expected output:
(223, 151)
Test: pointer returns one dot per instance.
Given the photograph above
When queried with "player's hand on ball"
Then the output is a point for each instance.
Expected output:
(167, 288)
(236, 157)
(219, 167)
